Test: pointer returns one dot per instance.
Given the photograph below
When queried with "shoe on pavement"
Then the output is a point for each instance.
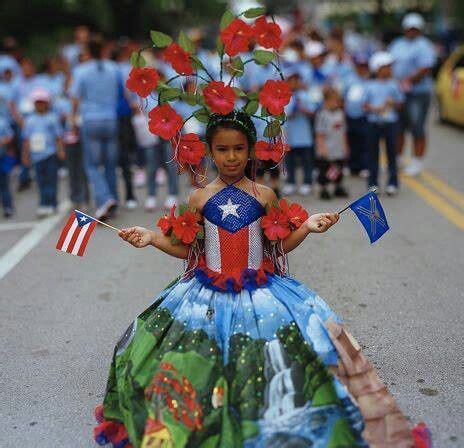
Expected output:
(8, 212)
(170, 202)
(364, 174)
(305, 190)
(106, 210)
(139, 178)
(288, 189)
(131, 204)
(42, 211)
(324, 194)
(414, 168)
(150, 204)
(391, 190)
(340, 192)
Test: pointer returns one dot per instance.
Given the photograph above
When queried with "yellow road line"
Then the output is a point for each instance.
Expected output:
(437, 202)
(442, 187)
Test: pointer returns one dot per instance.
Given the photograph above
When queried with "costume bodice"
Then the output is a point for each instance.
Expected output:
(233, 234)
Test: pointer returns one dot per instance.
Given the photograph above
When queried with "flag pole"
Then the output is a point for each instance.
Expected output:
(348, 206)
(101, 222)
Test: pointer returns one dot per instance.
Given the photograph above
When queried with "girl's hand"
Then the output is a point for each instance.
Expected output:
(137, 236)
(321, 222)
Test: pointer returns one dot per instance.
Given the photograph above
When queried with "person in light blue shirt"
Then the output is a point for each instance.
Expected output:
(299, 135)
(414, 57)
(6, 137)
(383, 99)
(52, 78)
(354, 97)
(42, 146)
(95, 91)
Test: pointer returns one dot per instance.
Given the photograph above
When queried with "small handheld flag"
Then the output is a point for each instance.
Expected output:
(369, 211)
(76, 233)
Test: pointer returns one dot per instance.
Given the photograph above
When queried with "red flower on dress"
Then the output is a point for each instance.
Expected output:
(219, 97)
(267, 34)
(295, 213)
(275, 95)
(179, 59)
(236, 37)
(271, 151)
(142, 81)
(164, 121)
(186, 227)
(190, 149)
(165, 224)
(275, 224)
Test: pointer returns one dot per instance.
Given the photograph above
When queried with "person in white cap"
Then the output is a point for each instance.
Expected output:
(316, 53)
(414, 57)
(42, 146)
(382, 100)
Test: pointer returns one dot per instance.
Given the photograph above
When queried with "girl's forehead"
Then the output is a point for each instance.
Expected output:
(228, 136)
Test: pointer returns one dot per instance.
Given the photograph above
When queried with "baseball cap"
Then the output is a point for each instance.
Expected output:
(380, 59)
(413, 20)
(40, 94)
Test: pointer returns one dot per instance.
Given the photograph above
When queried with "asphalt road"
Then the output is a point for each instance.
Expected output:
(402, 298)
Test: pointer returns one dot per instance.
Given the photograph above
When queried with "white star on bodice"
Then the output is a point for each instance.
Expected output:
(229, 209)
(373, 215)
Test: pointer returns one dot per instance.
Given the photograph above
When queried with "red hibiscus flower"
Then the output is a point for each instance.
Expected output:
(219, 97)
(275, 224)
(271, 151)
(190, 149)
(165, 224)
(236, 37)
(275, 95)
(295, 213)
(142, 81)
(185, 227)
(164, 121)
(179, 59)
(267, 34)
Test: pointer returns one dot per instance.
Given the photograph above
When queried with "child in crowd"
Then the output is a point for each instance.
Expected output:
(331, 144)
(6, 137)
(382, 100)
(299, 134)
(42, 146)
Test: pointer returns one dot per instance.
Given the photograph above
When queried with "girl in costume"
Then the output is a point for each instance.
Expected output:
(234, 352)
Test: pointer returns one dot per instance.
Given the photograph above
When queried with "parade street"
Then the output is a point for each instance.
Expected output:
(402, 298)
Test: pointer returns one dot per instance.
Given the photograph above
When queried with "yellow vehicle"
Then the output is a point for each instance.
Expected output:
(450, 88)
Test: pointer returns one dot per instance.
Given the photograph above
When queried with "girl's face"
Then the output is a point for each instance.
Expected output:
(384, 72)
(229, 149)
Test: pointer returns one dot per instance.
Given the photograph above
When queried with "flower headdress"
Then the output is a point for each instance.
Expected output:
(216, 100)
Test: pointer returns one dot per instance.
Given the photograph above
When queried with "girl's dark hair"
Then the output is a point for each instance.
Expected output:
(237, 120)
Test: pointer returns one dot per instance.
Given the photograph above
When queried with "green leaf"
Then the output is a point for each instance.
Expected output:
(281, 117)
(272, 129)
(251, 107)
(254, 12)
(189, 98)
(174, 240)
(264, 112)
(239, 92)
(238, 68)
(226, 19)
(201, 234)
(219, 46)
(169, 94)
(201, 115)
(160, 39)
(253, 96)
(196, 62)
(186, 43)
(182, 209)
(137, 60)
(263, 57)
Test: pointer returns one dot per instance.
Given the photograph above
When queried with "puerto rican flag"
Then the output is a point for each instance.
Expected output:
(76, 233)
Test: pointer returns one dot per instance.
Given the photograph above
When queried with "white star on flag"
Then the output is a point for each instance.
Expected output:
(229, 209)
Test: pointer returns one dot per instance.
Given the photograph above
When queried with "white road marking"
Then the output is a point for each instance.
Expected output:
(17, 225)
(11, 258)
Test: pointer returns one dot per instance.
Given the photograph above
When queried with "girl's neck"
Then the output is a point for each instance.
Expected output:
(231, 180)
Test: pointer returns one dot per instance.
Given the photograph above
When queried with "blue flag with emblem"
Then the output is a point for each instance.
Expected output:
(369, 211)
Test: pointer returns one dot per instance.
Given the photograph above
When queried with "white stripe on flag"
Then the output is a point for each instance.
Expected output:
(67, 240)
(81, 236)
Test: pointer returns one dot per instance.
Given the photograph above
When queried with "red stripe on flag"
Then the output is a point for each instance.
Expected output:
(234, 249)
(71, 244)
(86, 238)
(65, 230)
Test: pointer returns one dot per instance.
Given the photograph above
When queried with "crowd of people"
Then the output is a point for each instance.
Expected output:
(75, 117)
